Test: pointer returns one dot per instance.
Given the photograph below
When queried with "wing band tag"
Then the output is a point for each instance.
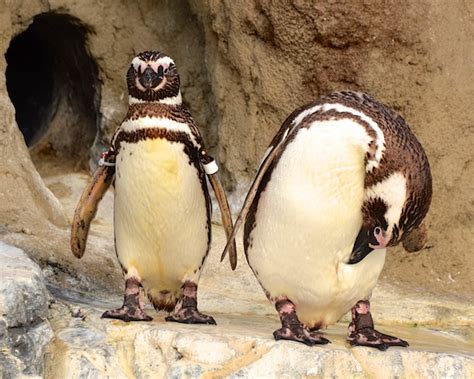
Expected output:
(103, 162)
(211, 167)
(104, 156)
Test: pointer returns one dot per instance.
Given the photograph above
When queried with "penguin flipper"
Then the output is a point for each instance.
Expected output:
(416, 238)
(211, 169)
(87, 207)
(226, 216)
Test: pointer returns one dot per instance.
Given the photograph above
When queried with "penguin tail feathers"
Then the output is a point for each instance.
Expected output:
(163, 300)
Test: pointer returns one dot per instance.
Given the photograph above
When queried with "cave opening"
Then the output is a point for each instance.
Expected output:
(53, 83)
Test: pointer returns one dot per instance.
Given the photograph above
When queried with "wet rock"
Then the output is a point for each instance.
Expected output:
(23, 295)
(24, 330)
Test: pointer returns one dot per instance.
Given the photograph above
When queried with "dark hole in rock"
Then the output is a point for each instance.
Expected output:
(53, 83)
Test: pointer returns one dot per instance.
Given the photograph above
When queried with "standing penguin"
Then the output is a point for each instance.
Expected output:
(343, 179)
(162, 210)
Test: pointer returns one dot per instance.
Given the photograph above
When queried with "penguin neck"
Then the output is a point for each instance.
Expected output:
(171, 101)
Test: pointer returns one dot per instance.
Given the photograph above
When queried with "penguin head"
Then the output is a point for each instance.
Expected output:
(375, 233)
(153, 77)
(377, 228)
(381, 231)
(388, 211)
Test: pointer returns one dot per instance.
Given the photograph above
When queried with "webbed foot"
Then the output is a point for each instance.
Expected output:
(292, 329)
(299, 333)
(362, 333)
(131, 309)
(372, 338)
(127, 314)
(190, 316)
(186, 310)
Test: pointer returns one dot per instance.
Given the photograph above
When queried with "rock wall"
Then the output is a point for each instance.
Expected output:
(244, 67)
(267, 58)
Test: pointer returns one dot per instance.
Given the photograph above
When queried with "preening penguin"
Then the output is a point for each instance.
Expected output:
(343, 179)
(162, 208)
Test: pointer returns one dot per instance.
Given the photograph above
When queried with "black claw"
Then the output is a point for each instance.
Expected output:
(324, 341)
(381, 347)
(307, 342)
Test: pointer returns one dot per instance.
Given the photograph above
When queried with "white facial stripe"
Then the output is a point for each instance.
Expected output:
(161, 85)
(379, 141)
(158, 122)
(393, 191)
(139, 85)
(165, 61)
(154, 65)
(139, 63)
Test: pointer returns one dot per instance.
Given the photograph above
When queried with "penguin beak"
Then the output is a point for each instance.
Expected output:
(150, 79)
(361, 247)
(367, 241)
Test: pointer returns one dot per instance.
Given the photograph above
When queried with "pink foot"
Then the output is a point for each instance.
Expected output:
(361, 330)
(292, 329)
(186, 310)
(131, 309)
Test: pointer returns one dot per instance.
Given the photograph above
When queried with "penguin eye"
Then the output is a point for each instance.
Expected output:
(165, 71)
(377, 230)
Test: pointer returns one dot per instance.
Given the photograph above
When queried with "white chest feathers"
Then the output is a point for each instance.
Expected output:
(307, 220)
(160, 213)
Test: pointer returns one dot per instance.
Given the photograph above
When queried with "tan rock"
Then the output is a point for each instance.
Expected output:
(242, 347)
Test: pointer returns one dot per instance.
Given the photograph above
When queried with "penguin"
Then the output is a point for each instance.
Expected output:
(162, 207)
(343, 179)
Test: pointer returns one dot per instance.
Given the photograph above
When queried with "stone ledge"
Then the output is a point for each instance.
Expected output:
(240, 346)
